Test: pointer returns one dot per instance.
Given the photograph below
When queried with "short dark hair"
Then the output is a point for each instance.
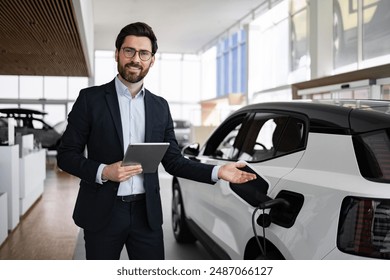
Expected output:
(139, 29)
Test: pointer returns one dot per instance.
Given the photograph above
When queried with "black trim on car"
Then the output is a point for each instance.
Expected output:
(373, 155)
(322, 117)
(369, 120)
(285, 217)
(331, 118)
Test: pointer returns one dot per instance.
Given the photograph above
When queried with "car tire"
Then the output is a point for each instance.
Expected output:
(179, 225)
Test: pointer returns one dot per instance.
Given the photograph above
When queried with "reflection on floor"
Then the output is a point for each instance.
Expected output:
(47, 231)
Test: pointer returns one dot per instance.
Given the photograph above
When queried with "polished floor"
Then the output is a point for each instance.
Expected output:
(47, 231)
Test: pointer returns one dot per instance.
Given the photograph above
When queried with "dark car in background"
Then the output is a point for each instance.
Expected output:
(29, 121)
(182, 132)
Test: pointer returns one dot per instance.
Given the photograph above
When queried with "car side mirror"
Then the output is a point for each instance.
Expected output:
(191, 150)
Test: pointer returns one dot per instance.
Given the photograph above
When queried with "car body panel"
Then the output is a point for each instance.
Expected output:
(324, 171)
(200, 204)
(227, 202)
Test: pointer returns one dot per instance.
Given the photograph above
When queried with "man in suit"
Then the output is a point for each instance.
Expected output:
(119, 205)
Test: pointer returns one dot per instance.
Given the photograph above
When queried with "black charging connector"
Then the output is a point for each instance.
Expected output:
(274, 202)
(264, 220)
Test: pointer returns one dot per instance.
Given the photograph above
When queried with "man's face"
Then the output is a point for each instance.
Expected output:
(134, 69)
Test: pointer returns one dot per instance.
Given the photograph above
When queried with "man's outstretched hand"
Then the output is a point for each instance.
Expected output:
(230, 172)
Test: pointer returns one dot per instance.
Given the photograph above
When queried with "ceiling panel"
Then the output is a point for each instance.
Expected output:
(40, 37)
(181, 26)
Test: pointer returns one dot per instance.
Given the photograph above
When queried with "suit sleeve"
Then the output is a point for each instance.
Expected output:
(71, 156)
(177, 165)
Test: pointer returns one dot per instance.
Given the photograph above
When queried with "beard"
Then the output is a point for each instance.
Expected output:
(130, 76)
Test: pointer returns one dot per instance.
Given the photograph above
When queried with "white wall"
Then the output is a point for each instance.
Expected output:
(84, 14)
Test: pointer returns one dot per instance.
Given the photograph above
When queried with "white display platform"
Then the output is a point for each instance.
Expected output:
(9, 182)
(3, 217)
(32, 177)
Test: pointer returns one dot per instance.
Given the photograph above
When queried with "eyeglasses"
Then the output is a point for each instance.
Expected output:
(144, 55)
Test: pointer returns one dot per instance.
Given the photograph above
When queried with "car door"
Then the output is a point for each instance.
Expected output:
(198, 198)
(272, 143)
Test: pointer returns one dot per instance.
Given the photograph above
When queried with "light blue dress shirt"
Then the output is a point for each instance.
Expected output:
(132, 111)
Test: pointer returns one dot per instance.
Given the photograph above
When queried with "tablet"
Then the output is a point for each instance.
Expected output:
(149, 155)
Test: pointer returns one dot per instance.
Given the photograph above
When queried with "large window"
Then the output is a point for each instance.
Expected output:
(176, 77)
(345, 32)
(360, 30)
(232, 64)
(376, 33)
(269, 52)
(53, 95)
(299, 34)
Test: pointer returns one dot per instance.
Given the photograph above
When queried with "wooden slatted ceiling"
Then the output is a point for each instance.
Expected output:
(40, 37)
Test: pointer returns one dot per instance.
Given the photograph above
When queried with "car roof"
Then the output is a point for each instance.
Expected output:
(339, 117)
(12, 112)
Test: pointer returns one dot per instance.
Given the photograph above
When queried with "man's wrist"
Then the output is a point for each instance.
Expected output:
(100, 178)
(214, 174)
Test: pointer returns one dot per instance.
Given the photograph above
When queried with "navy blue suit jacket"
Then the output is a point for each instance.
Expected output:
(95, 123)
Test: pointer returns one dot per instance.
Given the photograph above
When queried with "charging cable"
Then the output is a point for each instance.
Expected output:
(261, 247)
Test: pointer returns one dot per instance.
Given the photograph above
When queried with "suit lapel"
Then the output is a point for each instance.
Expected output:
(113, 106)
(148, 116)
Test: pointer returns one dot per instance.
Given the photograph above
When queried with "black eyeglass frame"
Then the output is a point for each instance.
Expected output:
(127, 50)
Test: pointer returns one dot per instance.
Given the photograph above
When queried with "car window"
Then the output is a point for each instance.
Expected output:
(37, 124)
(288, 135)
(3, 122)
(258, 137)
(221, 144)
(373, 155)
(258, 144)
(226, 148)
(268, 136)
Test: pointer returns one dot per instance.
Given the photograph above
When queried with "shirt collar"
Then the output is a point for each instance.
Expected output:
(122, 89)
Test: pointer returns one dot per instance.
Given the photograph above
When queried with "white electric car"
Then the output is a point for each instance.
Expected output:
(323, 190)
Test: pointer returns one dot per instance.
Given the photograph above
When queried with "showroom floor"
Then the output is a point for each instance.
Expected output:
(47, 231)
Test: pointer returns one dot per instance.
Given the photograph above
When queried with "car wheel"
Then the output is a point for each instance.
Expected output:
(179, 225)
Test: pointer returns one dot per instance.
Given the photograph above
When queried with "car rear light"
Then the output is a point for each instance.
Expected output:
(364, 227)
